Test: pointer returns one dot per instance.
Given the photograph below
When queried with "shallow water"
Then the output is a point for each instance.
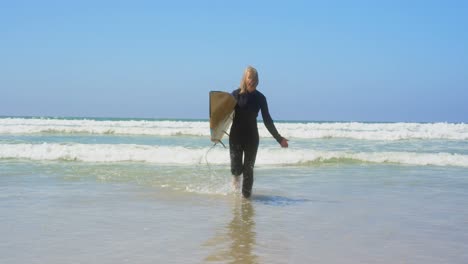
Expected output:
(328, 214)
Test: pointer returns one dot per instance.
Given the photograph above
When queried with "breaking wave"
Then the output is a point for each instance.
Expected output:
(191, 156)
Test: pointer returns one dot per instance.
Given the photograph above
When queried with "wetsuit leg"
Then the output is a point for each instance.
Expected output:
(250, 151)
(236, 152)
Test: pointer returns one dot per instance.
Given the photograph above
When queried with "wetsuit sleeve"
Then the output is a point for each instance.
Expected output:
(268, 121)
(235, 93)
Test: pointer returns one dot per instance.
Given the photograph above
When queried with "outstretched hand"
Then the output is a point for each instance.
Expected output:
(284, 143)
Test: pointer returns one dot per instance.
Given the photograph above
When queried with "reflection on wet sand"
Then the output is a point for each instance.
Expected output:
(235, 244)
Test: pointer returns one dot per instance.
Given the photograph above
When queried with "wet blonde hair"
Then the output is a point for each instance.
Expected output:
(243, 83)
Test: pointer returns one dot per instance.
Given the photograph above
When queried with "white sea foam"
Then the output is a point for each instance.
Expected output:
(90, 126)
(310, 130)
(192, 156)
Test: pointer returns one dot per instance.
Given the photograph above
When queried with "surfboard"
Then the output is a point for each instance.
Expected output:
(221, 113)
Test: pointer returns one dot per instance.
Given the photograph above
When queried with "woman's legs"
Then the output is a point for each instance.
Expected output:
(248, 152)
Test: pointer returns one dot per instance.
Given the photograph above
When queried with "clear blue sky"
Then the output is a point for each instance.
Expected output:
(317, 60)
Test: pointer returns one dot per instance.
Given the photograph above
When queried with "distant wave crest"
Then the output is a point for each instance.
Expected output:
(310, 130)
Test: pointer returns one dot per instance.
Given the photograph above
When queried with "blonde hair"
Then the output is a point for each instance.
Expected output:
(243, 84)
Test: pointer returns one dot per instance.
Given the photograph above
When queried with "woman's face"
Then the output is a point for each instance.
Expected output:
(250, 82)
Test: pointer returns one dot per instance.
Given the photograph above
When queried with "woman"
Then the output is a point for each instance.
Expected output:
(244, 139)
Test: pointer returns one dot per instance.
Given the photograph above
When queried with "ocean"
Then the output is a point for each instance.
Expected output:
(97, 190)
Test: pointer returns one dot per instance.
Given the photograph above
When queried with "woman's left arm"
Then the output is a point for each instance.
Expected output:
(268, 121)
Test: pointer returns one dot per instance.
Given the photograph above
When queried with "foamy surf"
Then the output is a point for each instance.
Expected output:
(179, 155)
(303, 130)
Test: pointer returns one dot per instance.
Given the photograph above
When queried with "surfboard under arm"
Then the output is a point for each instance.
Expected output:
(221, 110)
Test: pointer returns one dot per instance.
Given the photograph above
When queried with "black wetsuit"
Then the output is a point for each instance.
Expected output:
(244, 139)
